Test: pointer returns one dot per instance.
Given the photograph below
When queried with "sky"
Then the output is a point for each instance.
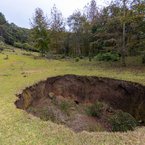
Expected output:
(21, 11)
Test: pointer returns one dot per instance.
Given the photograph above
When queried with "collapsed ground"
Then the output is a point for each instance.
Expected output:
(86, 103)
(17, 127)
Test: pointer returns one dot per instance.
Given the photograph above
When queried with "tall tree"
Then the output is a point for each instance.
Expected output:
(40, 31)
(124, 34)
(2, 19)
(76, 23)
(57, 27)
(57, 20)
(91, 11)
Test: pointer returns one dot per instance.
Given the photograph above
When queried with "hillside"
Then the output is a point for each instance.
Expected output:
(22, 69)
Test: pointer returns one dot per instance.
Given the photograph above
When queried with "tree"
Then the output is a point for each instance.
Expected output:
(137, 27)
(106, 31)
(57, 27)
(57, 20)
(2, 19)
(91, 11)
(40, 31)
(124, 34)
(77, 23)
(11, 33)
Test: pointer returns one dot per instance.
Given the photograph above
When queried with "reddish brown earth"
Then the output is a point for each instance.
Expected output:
(82, 91)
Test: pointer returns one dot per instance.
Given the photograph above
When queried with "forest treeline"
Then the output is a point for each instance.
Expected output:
(10, 33)
(115, 30)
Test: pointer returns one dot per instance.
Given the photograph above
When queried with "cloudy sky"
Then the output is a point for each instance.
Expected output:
(20, 11)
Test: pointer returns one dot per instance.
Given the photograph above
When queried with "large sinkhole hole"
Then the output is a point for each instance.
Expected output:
(86, 103)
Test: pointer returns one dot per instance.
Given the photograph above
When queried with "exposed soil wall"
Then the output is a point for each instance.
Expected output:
(127, 96)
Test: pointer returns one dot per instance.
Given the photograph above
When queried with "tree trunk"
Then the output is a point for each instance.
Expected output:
(123, 51)
(123, 47)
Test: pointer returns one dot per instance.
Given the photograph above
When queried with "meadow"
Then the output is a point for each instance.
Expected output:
(22, 69)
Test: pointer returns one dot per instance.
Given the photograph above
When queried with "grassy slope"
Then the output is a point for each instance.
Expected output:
(19, 128)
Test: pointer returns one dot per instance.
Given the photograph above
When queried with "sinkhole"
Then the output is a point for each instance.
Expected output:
(86, 103)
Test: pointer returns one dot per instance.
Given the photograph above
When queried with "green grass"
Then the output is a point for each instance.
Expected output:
(19, 128)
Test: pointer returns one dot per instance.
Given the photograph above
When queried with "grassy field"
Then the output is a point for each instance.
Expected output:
(19, 128)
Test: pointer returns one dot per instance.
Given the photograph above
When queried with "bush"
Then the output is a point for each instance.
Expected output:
(143, 59)
(44, 113)
(109, 56)
(1, 39)
(90, 58)
(81, 57)
(122, 121)
(47, 114)
(77, 59)
(1, 45)
(65, 106)
(63, 57)
(25, 46)
(18, 45)
(96, 109)
(110, 43)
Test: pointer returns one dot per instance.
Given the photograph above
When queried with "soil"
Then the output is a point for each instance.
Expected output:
(65, 99)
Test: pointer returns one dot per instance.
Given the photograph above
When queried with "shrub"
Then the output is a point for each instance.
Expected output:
(90, 58)
(65, 106)
(18, 45)
(109, 56)
(1, 39)
(143, 59)
(122, 121)
(26, 46)
(96, 109)
(47, 114)
(81, 57)
(63, 57)
(77, 59)
(110, 43)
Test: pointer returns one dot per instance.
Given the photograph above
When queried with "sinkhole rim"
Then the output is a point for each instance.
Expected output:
(125, 87)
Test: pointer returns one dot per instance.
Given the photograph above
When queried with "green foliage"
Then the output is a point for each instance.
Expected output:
(11, 33)
(77, 59)
(18, 45)
(122, 121)
(96, 46)
(110, 42)
(109, 56)
(78, 39)
(90, 32)
(40, 31)
(37, 131)
(2, 19)
(1, 40)
(47, 114)
(44, 113)
(25, 46)
(57, 30)
(81, 57)
(143, 59)
(65, 106)
(96, 109)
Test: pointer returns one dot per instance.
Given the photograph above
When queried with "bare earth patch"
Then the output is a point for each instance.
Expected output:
(66, 99)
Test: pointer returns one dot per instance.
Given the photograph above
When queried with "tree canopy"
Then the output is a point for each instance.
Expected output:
(40, 31)
(119, 27)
